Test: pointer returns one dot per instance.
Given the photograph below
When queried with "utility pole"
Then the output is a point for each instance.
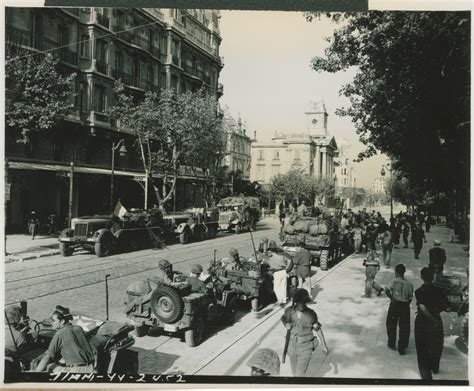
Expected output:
(71, 189)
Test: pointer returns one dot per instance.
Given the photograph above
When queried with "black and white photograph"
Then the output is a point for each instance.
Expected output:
(235, 196)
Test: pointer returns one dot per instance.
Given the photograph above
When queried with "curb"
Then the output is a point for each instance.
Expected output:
(20, 258)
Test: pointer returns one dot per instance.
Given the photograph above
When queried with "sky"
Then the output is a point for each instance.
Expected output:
(268, 80)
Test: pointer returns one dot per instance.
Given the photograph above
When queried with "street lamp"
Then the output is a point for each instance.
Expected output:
(122, 152)
(382, 172)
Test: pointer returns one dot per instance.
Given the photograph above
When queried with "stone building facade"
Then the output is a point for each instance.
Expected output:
(239, 147)
(147, 49)
(312, 151)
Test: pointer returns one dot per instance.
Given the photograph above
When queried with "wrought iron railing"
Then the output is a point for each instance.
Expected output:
(101, 67)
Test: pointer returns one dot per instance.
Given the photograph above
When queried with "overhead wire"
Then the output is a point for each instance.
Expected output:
(81, 42)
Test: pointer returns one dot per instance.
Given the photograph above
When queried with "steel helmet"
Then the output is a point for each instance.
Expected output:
(164, 264)
(233, 252)
(196, 269)
(264, 239)
(272, 246)
(301, 296)
(12, 313)
(266, 360)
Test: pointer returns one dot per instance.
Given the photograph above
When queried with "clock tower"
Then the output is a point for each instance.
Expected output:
(317, 118)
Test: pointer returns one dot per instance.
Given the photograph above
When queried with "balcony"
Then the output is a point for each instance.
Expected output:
(102, 20)
(98, 117)
(18, 37)
(101, 67)
(125, 77)
(68, 56)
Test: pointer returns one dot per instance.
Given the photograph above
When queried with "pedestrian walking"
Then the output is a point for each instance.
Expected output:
(264, 362)
(281, 266)
(304, 332)
(387, 245)
(52, 225)
(400, 292)
(372, 266)
(437, 257)
(33, 224)
(282, 216)
(406, 233)
(302, 265)
(417, 237)
(429, 333)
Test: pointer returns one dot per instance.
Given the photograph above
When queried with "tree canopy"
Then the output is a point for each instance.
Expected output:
(410, 97)
(38, 95)
(173, 130)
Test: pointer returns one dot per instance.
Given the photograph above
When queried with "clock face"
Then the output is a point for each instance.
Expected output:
(314, 121)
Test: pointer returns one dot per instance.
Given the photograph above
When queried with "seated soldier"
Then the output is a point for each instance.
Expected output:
(234, 254)
(15, 340)
(197, 285)
(70, 343)
(164, 274)
(263, 245)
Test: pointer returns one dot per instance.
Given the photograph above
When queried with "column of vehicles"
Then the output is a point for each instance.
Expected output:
(140, 229)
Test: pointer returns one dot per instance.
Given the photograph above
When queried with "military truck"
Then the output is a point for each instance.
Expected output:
(175, 309)
(106, 234)
(194, 224)
(239, 213)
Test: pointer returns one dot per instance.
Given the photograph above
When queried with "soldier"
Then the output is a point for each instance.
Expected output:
(302, 263)
(164, 274)
(15, 339)
(234, 254)
(417, 237)
(264, 362)
(33, 224)
(197, 285)
(303, 326)
(70, 343)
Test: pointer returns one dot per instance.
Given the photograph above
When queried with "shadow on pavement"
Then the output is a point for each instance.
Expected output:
(148, 361)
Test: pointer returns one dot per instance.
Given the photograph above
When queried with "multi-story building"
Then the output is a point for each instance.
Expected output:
(147, 49)
(239, 151)
(312, 152)
(379, 186)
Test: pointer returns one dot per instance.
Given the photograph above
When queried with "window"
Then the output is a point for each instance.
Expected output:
(120, 20)
(276, 155)
(260, 154)
(63, 35)
(101, 50)
(150, 41)
(83, 97)
(136, 70)
(100, 99)
(150, 78)
(85, 46)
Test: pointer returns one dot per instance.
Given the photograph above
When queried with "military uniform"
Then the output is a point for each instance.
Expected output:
(417, 237)
(302, 340)
(437, 259)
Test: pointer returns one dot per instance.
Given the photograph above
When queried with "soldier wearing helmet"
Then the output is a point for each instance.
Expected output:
(165, 273)
(196, 284)
(264, 362)
(303, 328)
(234, 254)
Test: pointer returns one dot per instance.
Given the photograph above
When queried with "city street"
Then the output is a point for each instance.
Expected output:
(354, 326)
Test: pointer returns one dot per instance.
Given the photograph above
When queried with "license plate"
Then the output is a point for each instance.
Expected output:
(169, 327)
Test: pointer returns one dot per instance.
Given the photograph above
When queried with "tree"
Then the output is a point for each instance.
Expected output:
(410, 97)
(298, 186)
(38, 96)
(173, 130)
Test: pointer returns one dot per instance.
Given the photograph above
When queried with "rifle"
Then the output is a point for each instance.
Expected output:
(287, 342)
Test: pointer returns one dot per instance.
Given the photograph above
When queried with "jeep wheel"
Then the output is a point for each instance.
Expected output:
(323, 260)
(465, 329)
(104, 246)
(194, 335)
(65, 249)
(167, 304)
(184, 237)
(255, 304)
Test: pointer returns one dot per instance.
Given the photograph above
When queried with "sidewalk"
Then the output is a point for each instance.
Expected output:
(21, 247)
(354, 327)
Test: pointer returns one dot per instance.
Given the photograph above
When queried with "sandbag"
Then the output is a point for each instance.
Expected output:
(314, 230)
(140, 287)
(289, 229)
(323, 228)
(301, 226)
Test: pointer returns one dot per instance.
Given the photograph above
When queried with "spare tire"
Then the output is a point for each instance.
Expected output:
(167, 304)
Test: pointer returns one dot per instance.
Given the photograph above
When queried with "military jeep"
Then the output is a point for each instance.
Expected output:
(175, 309)
(104, 235)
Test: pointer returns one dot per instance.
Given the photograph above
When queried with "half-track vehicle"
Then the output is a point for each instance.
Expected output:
(239, 213)
(194, 224)
(106, 234)
(177, 310)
